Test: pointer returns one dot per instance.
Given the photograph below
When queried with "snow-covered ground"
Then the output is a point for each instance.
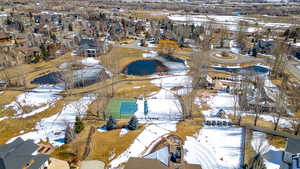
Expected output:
(230, 22)
(53, 127)
(151, 133)
(225, 101)
(40, 99)
(272, 155)
(161, 106)
(150, 54)
(215, 147)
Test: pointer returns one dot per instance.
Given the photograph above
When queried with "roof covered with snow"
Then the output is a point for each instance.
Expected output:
(162, 155)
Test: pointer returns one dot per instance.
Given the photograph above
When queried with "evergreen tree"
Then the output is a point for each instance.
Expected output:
(79, 126)
(44, 51)
(133, 124)
(70, 27)
(111, 123)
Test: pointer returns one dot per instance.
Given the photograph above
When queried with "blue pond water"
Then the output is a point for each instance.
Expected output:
(258, 69)
(60, 140)
(51, 78)
(144, 67)
(152, 66)
(80, 78)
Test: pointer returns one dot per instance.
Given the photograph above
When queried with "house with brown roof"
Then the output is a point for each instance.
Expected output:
(143, 163)
(4, 36)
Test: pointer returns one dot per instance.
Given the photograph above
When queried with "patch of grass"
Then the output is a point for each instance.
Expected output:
(249, 151)
(8, 97)
(276, 141)
(64, 152)
(118, 58)
(104, 145)
(188, 127)
(108, 144)
(13, 126)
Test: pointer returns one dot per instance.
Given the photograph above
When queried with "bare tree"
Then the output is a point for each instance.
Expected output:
(295, 121)
(241, 36)
(279, 64)
(185, 105)
(258, 98)
(280, 101)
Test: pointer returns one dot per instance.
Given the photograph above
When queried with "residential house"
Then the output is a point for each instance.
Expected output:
(4, 36)
(291, 155)
(21, 154)
(3, 83)
(164, 158)
(264, 46)
(89, 48)
(30, 54)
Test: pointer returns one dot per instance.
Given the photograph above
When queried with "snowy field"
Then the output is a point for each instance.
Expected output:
(40, 99)
(53, 127)
(215, 147)
(230, 22)
(272, 155)
(225, 101)
(138, 148)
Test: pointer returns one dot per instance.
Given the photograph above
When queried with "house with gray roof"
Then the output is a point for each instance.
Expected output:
(90, 47)
(21, 154)
(291, 154)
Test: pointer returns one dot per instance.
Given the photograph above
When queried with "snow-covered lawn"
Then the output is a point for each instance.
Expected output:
(163, 105)
(215, 147)
(225, 101)
(53, 127)
(230, 22)
(151, 54)
(272, 155)
(175, 80)
(140, 145)
(40, 99)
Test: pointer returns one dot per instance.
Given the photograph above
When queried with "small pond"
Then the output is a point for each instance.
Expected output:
(256, 68)
(155, 65)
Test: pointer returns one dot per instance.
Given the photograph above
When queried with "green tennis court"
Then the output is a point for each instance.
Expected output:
(121, 108)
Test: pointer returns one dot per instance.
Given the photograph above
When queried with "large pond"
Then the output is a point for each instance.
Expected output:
(84, 76)
(155, 65)
(256, 68)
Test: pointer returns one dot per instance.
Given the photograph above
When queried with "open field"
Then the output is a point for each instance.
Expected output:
(16, 126)
(105, 145)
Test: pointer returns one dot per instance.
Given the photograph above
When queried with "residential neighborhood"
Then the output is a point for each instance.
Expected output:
(144, 84)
